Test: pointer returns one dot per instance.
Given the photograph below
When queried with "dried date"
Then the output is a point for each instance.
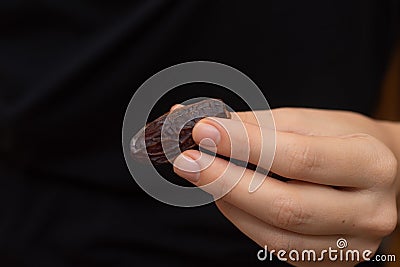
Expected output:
(169, 135)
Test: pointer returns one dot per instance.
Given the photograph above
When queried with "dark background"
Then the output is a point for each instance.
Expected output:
(68, 70)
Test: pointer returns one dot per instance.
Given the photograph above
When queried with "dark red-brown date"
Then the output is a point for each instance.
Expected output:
(169, 135)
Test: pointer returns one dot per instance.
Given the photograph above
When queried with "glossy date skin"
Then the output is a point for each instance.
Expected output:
(163, 139)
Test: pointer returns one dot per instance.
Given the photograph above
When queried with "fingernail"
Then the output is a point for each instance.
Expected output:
(205, 131)
(187, 168)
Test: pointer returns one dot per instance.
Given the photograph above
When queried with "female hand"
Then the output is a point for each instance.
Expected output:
(343, 179)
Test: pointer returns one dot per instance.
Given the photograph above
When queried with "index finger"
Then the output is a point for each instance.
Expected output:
(346, 161)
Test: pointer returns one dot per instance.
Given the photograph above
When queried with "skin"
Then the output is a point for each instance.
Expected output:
(344, 178)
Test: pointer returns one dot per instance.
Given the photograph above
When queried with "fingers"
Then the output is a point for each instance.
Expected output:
(329, 160)
(290, 206)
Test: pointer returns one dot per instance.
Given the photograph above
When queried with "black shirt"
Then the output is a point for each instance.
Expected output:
(68, 70)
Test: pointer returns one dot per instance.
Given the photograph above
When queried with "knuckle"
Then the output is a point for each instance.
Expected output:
(302, 159)
(388, 223)
(287, 212)
(382, 162)
(383, 222)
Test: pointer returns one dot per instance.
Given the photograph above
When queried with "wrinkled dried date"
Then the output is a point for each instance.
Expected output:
(177, 135)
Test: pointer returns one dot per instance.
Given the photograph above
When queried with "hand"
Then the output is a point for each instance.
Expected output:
(342, 185)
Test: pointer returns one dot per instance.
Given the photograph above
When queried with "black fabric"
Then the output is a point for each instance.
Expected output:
(68, 70)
